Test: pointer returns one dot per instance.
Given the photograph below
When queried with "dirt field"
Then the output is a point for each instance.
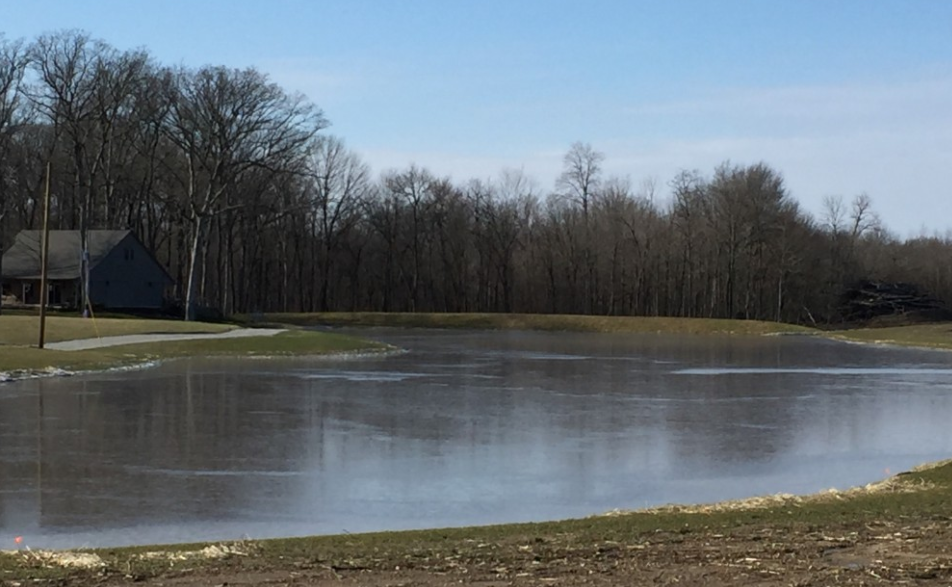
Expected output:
(888, 552)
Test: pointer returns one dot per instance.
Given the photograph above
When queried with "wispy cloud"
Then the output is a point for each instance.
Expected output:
(892, 139)
(899, 172)
(813, 110)
(327, 82)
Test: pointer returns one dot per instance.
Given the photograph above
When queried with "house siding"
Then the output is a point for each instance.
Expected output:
(128, 277)
(123, 274)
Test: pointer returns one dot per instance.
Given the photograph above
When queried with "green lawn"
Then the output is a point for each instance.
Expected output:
(18, 350)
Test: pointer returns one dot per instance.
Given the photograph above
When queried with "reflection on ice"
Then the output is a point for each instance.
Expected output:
(537, 356)
(463, 428)
(213, 472)
(880, 371)
(380, 376)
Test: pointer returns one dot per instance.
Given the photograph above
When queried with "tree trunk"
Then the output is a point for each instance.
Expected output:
(191, 288)
(2, 214)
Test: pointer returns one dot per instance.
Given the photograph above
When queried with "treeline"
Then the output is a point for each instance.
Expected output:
(230, 180)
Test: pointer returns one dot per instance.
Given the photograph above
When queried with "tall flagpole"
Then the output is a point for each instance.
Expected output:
(44, 257)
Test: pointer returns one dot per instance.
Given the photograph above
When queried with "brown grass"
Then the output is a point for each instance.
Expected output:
(551, 322)
(937, 335)
(24, 330)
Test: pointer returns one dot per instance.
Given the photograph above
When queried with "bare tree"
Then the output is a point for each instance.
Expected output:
(834, 214)
(581, 175)
(579, 185)
(227, 123)
(384, 212)
(502, 212)
(340, 182)
(150, 213)
(120, 79)
(224, 176)
(66, 92)
(864, 224)
(862, 218)
(450, 253)
(412, 189)
(687, 216)
(12, 67)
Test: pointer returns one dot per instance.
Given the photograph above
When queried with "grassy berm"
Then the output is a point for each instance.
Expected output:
(550, 322)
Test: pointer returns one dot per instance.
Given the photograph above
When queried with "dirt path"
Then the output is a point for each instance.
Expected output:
(107, 341)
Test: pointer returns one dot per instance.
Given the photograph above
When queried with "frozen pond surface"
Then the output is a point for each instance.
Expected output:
(464, 428)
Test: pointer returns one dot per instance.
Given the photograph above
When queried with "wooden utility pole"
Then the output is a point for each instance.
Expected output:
(44, 256)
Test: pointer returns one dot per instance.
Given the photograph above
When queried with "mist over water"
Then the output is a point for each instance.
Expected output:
(464, 428)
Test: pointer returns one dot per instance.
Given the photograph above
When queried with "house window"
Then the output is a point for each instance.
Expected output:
(128, 254)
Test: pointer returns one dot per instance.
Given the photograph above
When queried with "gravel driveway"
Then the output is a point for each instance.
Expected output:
(97, 343)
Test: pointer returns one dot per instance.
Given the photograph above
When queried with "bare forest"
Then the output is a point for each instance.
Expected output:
(241, 193)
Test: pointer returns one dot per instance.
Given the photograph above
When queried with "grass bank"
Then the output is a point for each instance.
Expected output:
(796, 532)
(937, 335)
(18, 336)
(552, 322)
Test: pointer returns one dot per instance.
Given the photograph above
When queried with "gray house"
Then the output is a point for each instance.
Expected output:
(123, 274)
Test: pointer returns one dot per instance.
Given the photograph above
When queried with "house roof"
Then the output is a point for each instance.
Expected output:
(22, 260)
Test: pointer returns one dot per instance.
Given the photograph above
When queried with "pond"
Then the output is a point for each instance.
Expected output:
(462, 428)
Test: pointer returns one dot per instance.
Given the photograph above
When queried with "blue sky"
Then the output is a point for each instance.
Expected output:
(841, 96)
